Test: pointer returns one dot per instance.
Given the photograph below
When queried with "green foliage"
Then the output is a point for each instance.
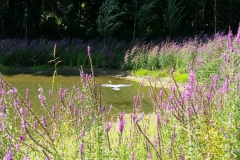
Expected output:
(167, 60)
(173, 15)
(144, 16)
(181, 78)
(109, 18)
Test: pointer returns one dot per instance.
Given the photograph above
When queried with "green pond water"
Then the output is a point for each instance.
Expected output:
(121, 100)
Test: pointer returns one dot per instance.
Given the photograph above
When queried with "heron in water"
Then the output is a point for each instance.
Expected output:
(115, 87)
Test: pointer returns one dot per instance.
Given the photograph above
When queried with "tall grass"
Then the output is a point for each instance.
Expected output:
(199, 121)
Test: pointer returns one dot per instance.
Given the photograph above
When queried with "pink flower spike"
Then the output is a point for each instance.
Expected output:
(171, 71)
(89, 49)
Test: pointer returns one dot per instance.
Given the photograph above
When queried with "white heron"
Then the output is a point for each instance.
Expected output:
(115, 87)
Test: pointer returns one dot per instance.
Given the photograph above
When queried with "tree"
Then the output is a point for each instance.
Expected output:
(108, 19)
(172, 16)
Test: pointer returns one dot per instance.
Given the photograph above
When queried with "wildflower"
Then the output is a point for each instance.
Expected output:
(108, 126)
(237, 39)
(110, 108)
(22, 137)
(89, 49)
(225, 87)
(191, 111)
(104, 110)
(23, 124)
(149, 156)
(139, 118)
(173, 88)
(83, 132)
(34, 124)
(171, 71)
(166, 120)
(8, 156)
(121, 122)
(132, 156)
(160, 93)
(127, 55)
(26, 157)
(135, 100)
(215, 80)
(27, 94)
(181, 154)
(3, 108)
(47, 158)
(81, 148)
(229, 42)
(44, 121)
(12, 91)
(191, 77)
(75, 110)
(17, 146)
(212, 122)
(41, 96)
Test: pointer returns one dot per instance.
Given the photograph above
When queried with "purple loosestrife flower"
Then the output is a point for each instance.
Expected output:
(110, 108)
(188, 92)
(89, 49)
(3, 108)
(104, 110)
(26, 157)
(81, 149)
(127, 56)
(22, 137)
(132, 156)
(139, 118)
(166, 120)
(44, 122)
(215, 81)
(237, 39)
(135, 100)
(35, 124)
(17, 146)
(225, 87)
(27, 94)
(121, 122)
(47, 158)
(229, 42)
(8, 155)
(108, 126)
(149, 156)
(160, 93)
(191, 77)
(181, 154)
(212, 122)
(75, 110)
(12, 91)
(23, 124)
(191, 110)
(171, 71)
(173, 88)
(41, 96)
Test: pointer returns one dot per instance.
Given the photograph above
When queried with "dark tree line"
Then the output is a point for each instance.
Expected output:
(122, 19)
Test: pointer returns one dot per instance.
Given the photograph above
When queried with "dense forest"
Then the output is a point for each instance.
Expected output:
(121, 19)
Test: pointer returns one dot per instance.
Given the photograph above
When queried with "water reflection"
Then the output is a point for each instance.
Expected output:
(121, 100)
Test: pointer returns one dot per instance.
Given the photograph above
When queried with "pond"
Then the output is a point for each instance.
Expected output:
(121, 100)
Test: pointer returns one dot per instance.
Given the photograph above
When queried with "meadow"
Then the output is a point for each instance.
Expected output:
(200, 121)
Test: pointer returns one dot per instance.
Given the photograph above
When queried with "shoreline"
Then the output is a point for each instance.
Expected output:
(146, 80)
